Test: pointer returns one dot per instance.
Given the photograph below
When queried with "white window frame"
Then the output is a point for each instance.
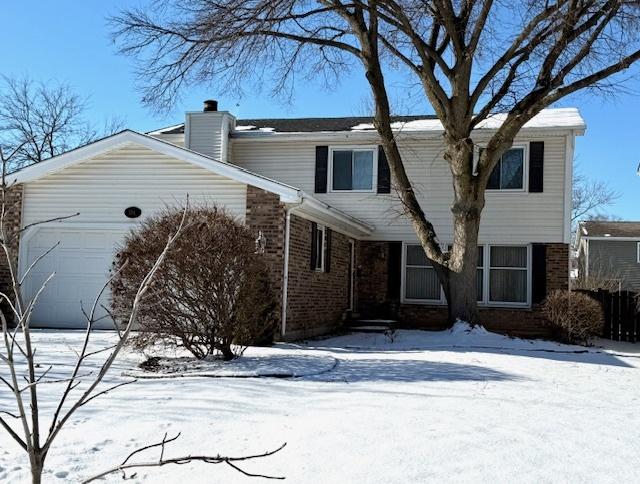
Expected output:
(525, 171)
(486, 274)
(487, 279)
(374, 174)
(403, 279)
(638, 252)
(321, 249)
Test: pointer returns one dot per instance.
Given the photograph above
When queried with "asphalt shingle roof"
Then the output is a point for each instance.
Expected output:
(309, 125)
(597, 228)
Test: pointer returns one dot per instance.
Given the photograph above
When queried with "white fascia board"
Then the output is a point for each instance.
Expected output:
(372, 135)
(287, 193)
(324, 213)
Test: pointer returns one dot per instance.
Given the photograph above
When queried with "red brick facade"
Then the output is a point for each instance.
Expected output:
(316, 301)
(372, 283)
(11, 226)
(266, 214)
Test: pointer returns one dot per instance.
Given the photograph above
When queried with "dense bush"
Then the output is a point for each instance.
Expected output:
(211, 296)
(576, 316)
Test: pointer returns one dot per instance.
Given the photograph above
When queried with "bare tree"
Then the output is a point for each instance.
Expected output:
(80, 387)
(590, 197)
(471, 58)
(212, 295)
(44, 120)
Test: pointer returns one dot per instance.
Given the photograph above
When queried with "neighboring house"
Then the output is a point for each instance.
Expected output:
(319, 191)
(609, 252)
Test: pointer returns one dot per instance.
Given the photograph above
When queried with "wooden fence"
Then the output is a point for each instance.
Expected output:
(621, 314)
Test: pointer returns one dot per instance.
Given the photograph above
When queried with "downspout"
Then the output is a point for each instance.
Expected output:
(285, 277)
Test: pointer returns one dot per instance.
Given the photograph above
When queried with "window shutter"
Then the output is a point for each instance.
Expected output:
(327, 251)
(384, 174)
(322, 160)
(538, 273)
(394, 271)
(536, 166)
(314, 245)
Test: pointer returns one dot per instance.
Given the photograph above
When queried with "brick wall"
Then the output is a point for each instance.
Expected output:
(266, 214)
(316, 301)
(518, 322)
(12, 224)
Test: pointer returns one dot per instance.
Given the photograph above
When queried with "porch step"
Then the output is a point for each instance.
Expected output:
(371, 325)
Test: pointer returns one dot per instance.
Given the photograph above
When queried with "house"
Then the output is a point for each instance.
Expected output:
(319, 192)
(609, 252)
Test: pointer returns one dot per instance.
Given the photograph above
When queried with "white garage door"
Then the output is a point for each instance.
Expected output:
(81, 262)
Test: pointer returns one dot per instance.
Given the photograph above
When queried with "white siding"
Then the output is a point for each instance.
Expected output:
(174, 139)
(516, 217)
(101, 188)
(208, 133)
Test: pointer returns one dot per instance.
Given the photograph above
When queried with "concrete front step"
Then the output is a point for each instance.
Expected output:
(371, 325)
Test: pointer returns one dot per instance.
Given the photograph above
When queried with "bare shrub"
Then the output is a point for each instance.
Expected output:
(576, 316)
(212, 296)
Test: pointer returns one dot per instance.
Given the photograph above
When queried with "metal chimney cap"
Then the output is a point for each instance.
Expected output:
(210, 105)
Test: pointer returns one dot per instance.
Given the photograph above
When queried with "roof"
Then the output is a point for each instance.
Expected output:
(287, 193)
(567, 118)
(598, 228)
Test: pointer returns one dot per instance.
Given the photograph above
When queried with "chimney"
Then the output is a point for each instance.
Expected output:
(207, 131)
(210, 105)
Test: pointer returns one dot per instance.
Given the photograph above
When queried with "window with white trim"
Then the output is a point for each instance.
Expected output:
(508, 274)
(353, 169)
(502, 276)
(421, 281)
(319, 243)
(508, 173)
(638, 253)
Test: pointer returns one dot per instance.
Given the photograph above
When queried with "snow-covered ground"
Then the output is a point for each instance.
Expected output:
(453, 406)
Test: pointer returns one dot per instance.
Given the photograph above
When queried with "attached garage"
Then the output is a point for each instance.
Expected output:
(81, 261)
(100, 182)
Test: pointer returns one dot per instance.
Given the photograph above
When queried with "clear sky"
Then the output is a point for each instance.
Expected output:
(68, 41)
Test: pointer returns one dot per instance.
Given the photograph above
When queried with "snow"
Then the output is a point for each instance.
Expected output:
(547, 118)
(254, 128)
(463, 405)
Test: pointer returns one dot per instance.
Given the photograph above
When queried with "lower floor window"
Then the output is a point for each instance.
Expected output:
(508, 274)
(502, 275)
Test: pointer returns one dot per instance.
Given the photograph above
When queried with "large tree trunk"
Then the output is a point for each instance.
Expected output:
(459, 280)
(461, 285)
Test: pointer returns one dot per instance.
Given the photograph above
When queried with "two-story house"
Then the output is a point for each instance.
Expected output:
(319, 192)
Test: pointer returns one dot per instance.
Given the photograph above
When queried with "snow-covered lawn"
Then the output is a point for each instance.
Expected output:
(453, 406)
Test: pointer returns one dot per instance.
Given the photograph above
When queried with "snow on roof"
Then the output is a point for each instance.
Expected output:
(547, 118)
(568, 118)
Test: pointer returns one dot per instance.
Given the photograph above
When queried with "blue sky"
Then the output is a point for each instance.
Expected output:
(68, 41)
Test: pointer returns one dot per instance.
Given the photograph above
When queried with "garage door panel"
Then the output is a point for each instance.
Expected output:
(82, 263)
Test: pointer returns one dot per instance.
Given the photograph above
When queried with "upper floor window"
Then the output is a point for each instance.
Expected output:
(353, 169)
(509, 172)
